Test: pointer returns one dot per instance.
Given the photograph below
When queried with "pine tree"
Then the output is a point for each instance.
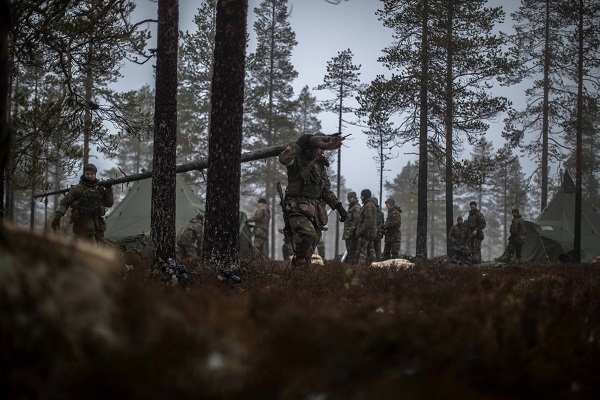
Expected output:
(193, 97)
(410, 56)
(342, 79)
(306, 113)
(539, 48)
(162, 223)
(221, 240)
(584, 17)
(86, 42)
(446, 52)
(269, 93)
(135, 148)
(78, 48)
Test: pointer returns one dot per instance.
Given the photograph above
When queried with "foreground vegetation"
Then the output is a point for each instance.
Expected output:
(328, 332)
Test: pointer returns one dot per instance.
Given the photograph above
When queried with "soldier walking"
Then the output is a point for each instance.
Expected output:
(88, 201)
(308, 188)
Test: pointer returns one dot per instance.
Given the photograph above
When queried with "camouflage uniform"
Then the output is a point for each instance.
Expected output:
(367, 231)
(457, 238)
(393, 236)
(475, 223)
(261, 220)
(88, 202)
(350, 229)
(379, 237)
(518, 233)
(307, 191)
(190, 238)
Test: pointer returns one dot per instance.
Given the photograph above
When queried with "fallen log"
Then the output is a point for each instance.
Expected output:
(193, 166)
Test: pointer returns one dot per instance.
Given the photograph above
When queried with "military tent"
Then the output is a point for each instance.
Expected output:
(550, 235)
(131, 217)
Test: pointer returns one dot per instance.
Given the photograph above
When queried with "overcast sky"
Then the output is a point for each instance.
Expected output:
(322, 30)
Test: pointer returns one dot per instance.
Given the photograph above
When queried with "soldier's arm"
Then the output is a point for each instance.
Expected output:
(287, 156)
(72, 195)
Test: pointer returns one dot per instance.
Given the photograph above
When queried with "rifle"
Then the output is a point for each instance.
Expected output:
(287, 229)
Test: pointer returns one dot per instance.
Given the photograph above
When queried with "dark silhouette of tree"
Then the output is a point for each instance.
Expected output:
(221, 240)
(306, 112)
(193, 99)
(4, 132)
(539, 49)
(162, 223)
(269, 94)
(342, 79)
(445, 52)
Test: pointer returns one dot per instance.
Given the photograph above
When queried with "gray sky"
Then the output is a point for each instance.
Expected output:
(322, 30)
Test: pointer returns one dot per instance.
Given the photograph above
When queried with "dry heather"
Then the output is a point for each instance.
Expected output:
(68, 331)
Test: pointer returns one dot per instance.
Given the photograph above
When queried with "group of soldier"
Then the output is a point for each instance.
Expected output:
(465, 237)
(307, 194)
(366, 226)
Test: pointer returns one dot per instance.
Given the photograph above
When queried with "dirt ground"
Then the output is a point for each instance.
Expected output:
(436, 331)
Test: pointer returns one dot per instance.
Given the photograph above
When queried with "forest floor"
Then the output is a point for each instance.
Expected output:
(434, 331)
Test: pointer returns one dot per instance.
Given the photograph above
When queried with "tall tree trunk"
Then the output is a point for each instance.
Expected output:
(579, 145)
(448, 117)
(545, 109)
(221, 240)
(421, 252)
(87, 120)
(4, 132)
(162, 223)
(339, 177)
(270, 175)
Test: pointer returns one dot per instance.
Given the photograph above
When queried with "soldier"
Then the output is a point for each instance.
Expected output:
(190, 238)
(457, 238)
(366, 228)
(350, 229)
(391, 229)
(88, 202)
(475, 225)
(379, 237)
(261, 219)
(308, 184)
(518, 233)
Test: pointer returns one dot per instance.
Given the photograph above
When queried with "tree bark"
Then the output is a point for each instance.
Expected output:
(4, 132)
(162, 223)
(421, 252)
(579, 145)
(221, 240)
